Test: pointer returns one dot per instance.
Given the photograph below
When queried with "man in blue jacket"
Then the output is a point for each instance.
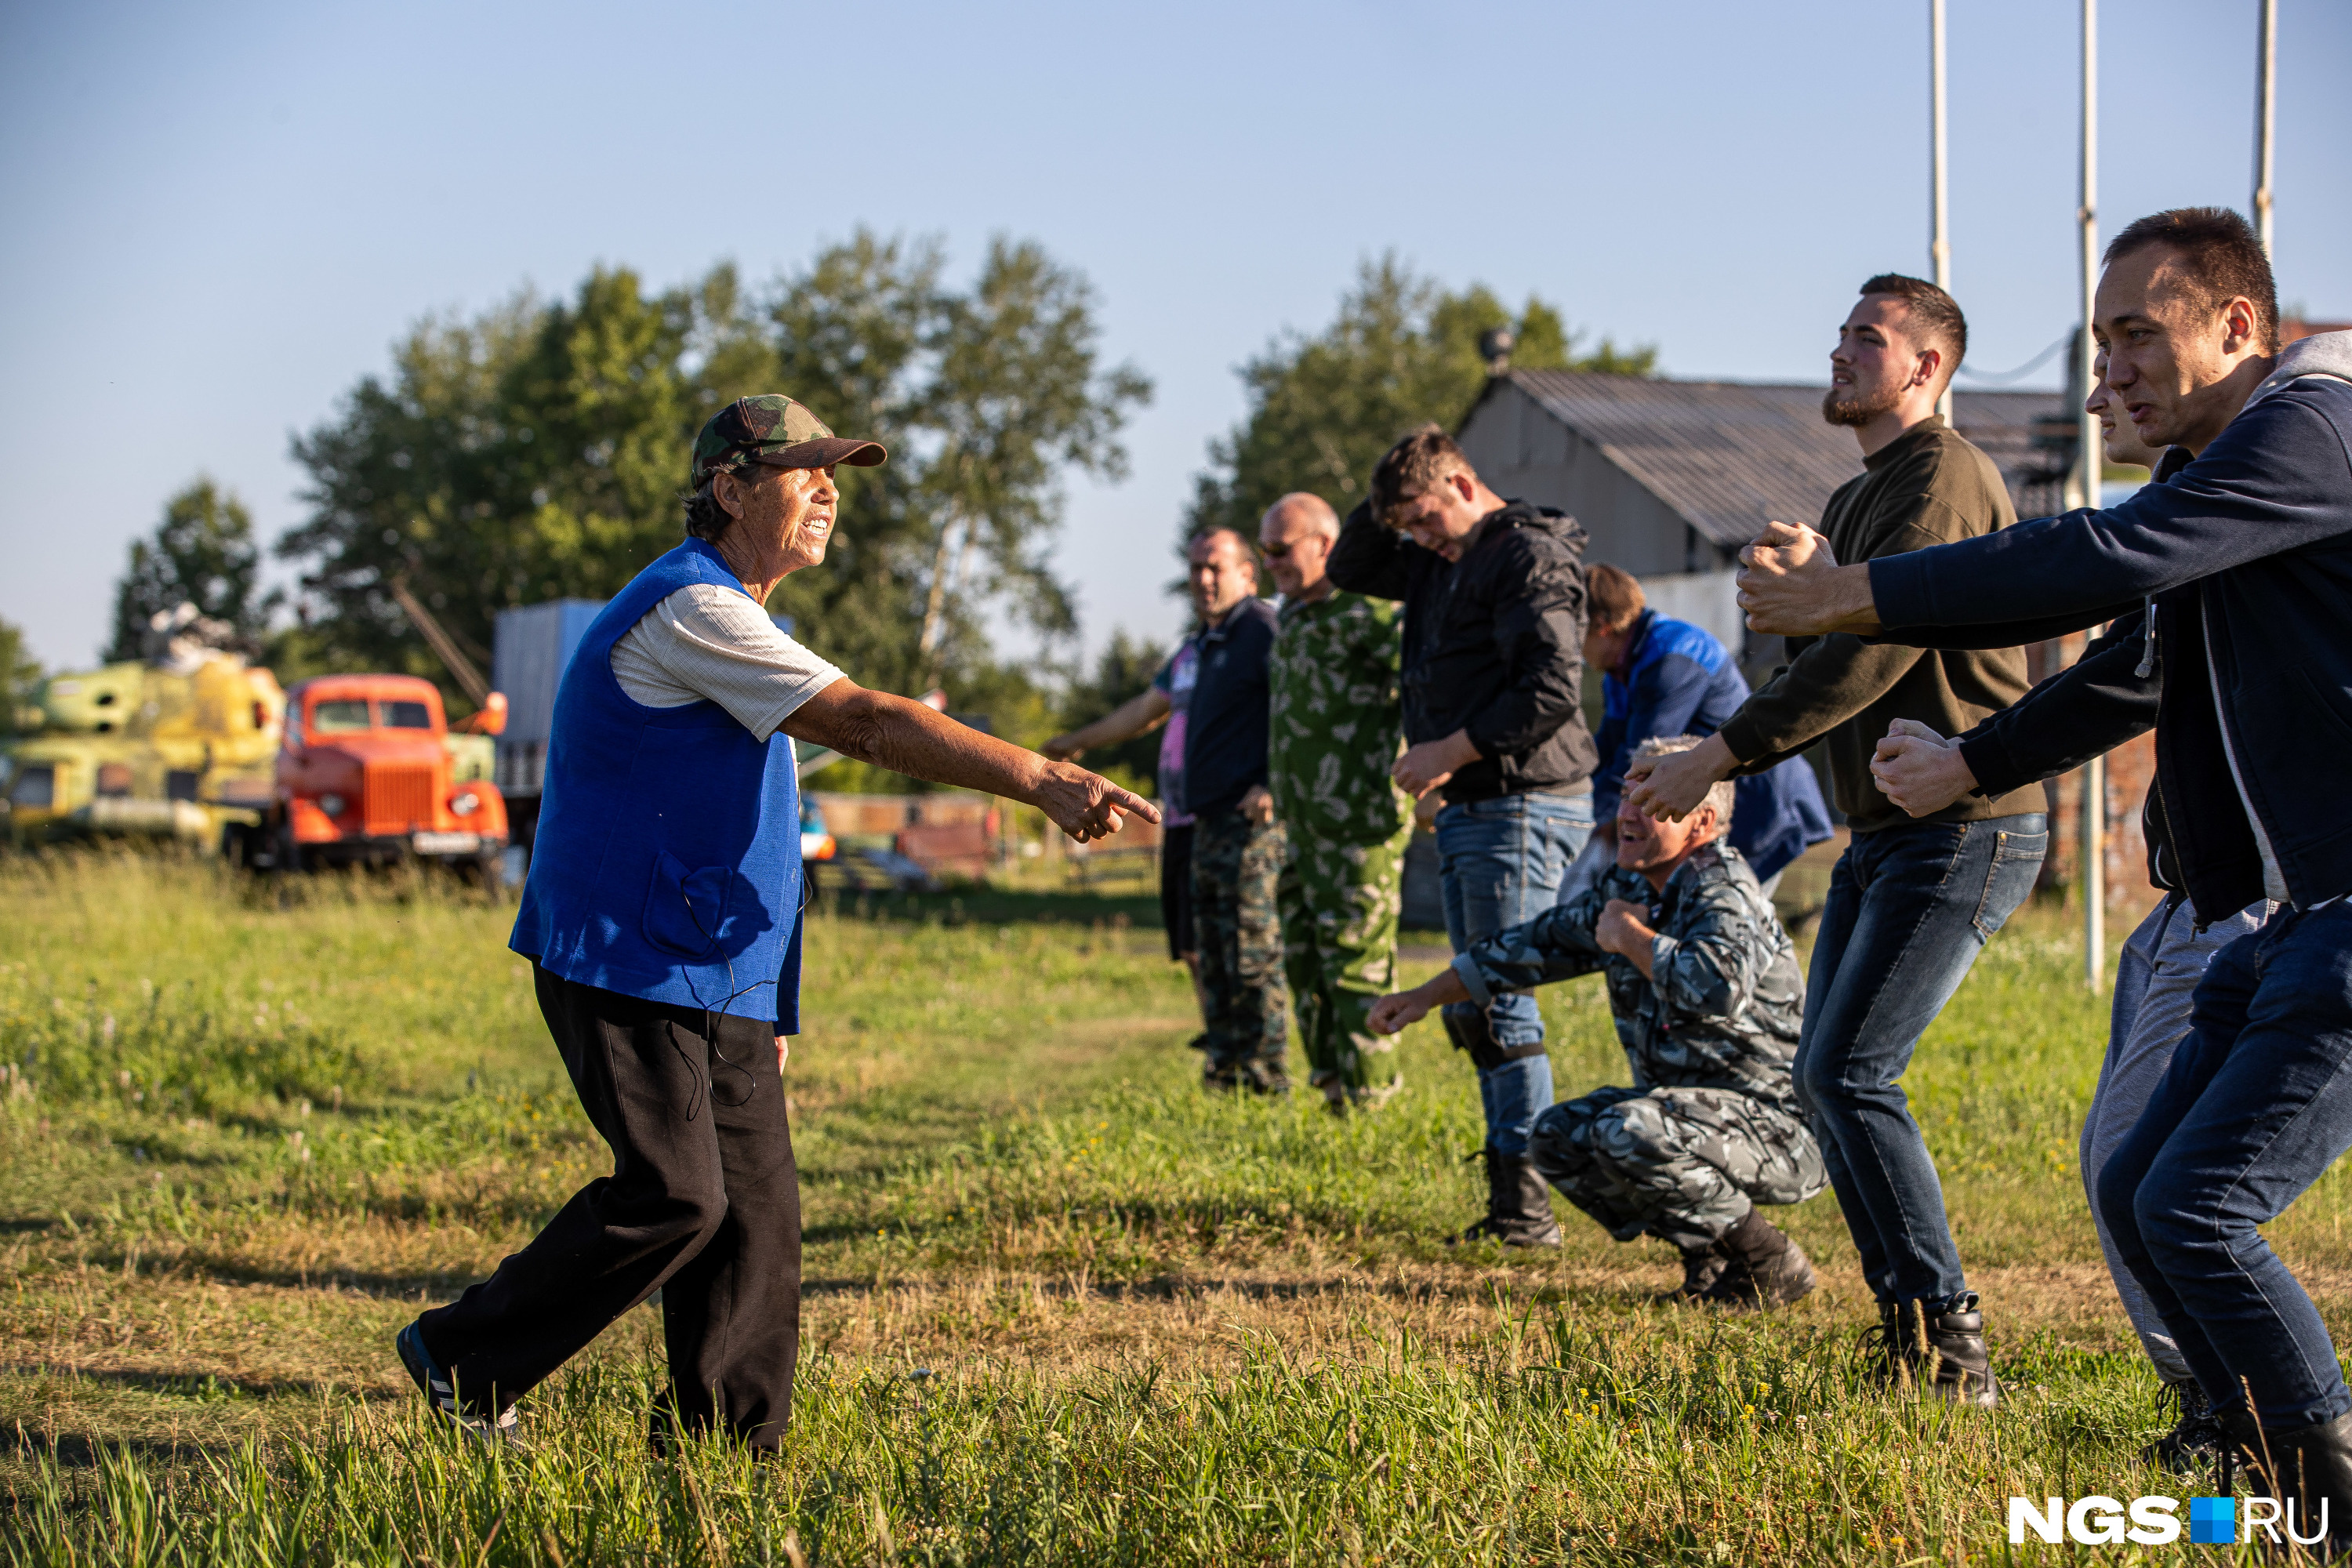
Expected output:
(2241, 564)
(1663, 677)
(662, 920)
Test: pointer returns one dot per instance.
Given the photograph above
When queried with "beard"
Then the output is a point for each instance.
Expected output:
(1851, 407)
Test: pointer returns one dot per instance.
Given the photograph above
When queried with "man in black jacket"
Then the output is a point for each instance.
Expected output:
(2241, 566)
(1492, 674)
(2105, 697)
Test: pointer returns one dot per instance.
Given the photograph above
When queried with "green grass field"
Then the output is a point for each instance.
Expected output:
(1060, 1307)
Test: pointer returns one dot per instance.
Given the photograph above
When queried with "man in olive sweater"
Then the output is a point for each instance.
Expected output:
(1911, 903)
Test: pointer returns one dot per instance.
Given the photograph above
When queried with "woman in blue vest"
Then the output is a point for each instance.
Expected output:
(662, 920)
(1665, 676)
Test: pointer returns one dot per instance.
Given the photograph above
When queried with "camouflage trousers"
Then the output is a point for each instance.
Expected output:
(1339, 904)
(1235, 864)
(1683, 1163)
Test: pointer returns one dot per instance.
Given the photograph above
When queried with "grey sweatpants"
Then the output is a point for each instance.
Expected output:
(2162, 963)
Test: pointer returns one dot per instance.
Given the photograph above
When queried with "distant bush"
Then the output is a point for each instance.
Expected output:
(204, 1055)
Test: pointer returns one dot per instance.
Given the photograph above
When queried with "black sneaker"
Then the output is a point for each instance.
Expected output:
(440, 1391)
(2195, 1439)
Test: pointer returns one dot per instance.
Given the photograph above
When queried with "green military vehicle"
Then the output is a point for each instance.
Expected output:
(185, 749)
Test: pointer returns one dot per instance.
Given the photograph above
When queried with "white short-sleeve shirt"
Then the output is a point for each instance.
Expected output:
(709, 642)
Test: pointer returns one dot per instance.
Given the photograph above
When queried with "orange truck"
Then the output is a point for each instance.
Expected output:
(369, 770)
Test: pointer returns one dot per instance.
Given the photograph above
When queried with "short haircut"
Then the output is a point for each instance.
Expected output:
(2221, 256)
(1614, 597)
(1937, 315)
(1721, 796)
(1242, 543)
(1320, 511)
(1412, 466)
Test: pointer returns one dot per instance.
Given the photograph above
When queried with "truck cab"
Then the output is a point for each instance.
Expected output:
(370, 772)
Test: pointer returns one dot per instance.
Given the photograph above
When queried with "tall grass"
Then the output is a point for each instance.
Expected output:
(1062, 1307)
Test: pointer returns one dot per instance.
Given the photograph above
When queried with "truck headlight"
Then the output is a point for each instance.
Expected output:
(332, 804)
(467, 804)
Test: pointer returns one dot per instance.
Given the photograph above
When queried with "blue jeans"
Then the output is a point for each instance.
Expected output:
(1909, 908)
(2256, 1105)
(1499, 864)
(2156, 985)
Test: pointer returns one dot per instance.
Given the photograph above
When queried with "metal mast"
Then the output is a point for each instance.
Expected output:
(1940, 245)
(2089, 460)
(2266, 119)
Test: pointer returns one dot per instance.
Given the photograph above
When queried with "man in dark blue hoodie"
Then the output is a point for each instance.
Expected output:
(2241, 564)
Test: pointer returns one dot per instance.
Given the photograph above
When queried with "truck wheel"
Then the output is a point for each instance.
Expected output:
(288, 854)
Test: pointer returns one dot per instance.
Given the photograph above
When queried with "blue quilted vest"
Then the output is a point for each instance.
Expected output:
(668, 864)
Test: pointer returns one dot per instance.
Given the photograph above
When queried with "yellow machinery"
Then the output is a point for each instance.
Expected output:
(146, 749)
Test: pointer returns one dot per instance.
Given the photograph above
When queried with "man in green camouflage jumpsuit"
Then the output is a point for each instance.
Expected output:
(1334, 729)
(1707, 996)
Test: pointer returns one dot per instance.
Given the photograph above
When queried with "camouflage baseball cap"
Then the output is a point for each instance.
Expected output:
(774, 429)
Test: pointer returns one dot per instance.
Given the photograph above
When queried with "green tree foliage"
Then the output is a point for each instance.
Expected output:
(1402, 352)
(540, 451)
(202, 553)
(20, 680)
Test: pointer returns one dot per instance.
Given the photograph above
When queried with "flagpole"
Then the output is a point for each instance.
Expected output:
(1940, 245)
(2089, 460)
(2265, 121)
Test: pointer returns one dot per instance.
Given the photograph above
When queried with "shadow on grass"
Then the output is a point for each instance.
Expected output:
(81, 1451)
(205, 1387)
(208, 1269)
(980, 904)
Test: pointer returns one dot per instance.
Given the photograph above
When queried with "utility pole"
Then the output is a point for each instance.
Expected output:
(2265, 122)
(1939, 247)
(2089, 462)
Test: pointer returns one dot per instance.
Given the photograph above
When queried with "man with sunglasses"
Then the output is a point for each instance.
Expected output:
(1332, 734)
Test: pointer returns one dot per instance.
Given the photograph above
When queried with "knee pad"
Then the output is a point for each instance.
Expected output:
(1467, 1025)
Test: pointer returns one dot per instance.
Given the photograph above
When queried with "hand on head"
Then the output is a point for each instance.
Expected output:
(1668, 787)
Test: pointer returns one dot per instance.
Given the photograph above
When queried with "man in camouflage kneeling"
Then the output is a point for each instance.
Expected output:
(1707, 996)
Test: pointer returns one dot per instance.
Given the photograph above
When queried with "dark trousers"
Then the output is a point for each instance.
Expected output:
(1909, 908)
(2255, 1107)
(1236, 863)
(703, 1205)
(1176, 890)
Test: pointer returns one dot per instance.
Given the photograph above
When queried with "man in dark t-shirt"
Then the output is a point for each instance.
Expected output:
(1237, 846)
(1223, 850)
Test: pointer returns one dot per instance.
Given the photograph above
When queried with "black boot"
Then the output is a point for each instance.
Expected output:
(1942, 1347)
(2307, 1468)
(1880, 1354)
(1700, 1266)
(1766, 1268)
(1518, 1205)
(2195, 1438)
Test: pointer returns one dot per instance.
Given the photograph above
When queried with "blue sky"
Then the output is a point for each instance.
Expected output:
(219, 217)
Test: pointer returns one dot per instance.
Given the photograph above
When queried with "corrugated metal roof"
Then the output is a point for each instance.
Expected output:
(1726, 453)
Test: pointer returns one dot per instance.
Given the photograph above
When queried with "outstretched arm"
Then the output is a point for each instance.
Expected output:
(2265, 485)
(1138, 715)
(907, 738)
